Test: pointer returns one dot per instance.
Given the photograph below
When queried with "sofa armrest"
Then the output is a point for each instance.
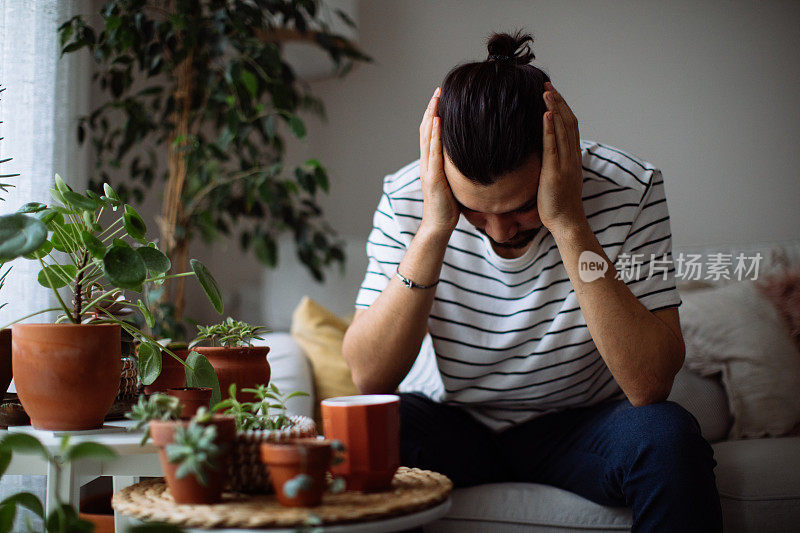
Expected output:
(290, 371)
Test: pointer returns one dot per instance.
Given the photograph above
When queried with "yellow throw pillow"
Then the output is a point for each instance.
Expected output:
(320, 334)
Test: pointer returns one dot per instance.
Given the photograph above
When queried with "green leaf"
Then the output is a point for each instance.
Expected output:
(5, 459)
(56, 195)
(61, 186)
(7, 514)
(27, 500)
(250, 82)
(57, 276)
(124, 267)
(19, 235)
(157, 263)
(202, 374)
(32, 207)
(89, 450)
(95, 247)
(149, 362)
(41, 252)
(79, 201)
(66, 237)
(134, 224)
(111, 196)
(49, 215)
(22, 443)
(297, 126)
(209, 284)
(148, 316)
(89, 222)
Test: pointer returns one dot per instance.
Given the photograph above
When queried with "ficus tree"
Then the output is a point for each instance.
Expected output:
(205, 83)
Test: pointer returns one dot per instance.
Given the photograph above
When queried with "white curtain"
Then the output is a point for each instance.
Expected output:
(44, 95)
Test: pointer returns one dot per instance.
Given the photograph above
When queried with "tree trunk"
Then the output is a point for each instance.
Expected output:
(172, 215)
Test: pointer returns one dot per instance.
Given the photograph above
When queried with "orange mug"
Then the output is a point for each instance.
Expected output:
(369, 427)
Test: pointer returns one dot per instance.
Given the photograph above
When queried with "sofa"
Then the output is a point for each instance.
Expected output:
(758, 478)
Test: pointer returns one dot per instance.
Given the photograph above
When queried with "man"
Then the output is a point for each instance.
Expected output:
(544, 362)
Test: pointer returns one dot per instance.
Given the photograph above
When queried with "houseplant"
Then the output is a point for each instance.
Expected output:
(206, 84)
(298, 469)
(68, 373)
(233, 356)
(64, 519)
(193, 453)
(257, 422)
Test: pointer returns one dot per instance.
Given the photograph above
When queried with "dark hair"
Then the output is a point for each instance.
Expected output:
(491, 111)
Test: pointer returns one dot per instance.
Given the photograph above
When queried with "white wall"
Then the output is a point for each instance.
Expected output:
(707, 91)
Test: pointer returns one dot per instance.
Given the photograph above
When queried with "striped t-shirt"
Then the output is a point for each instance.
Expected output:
(507, 339)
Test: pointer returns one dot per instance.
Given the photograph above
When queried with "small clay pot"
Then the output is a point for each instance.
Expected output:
(188, 489)
(192, 399)
(244, 365)
(5, 361)
(288, 460)
(173, 373)
(67, 375)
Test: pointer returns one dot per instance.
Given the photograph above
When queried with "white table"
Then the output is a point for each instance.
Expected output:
(383, 525)
(132, 461)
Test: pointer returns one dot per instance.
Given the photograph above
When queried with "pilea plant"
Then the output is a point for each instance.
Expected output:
(257, 415)
(229, 333)
(64, 518)
(98, 263)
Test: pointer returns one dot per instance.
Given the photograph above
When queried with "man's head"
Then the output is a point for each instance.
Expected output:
(491, 113)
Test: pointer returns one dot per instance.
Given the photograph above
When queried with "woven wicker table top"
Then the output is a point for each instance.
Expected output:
(412, 490)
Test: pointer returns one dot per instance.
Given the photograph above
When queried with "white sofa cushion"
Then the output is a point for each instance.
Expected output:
(290, 371)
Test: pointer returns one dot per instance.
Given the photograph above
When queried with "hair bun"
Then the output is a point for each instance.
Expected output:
(512, 48)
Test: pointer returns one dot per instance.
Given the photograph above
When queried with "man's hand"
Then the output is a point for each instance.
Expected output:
(440, 211)
(561, 181)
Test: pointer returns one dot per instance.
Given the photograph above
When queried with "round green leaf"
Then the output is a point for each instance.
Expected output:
(92, 450)
(149, 362)
(201, 374)
(134, 224)
(79, 201)
(32, 207)
(57, 276)
(27, 500)
(66, 237)
(92, 244)
(209, 284)
(124, 268)
(22, 443)
(19, 235)
(157, 263)
(41, 252)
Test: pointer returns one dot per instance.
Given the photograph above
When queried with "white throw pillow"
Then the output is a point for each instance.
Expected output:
(735, 331)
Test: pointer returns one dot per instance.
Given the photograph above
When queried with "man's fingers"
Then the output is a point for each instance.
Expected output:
(435, 161)
(425, 128)
(562, 139)
(569, 118)
(549, 149)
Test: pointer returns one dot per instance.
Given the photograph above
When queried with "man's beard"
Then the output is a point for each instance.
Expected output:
(520, 240)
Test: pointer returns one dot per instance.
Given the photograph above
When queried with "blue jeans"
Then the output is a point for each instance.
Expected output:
(652, 458)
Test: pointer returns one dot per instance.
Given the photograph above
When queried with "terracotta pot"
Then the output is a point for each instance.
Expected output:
(288, 460)
(5, 361)
(67, 375)
(173, 373)
(244, 365)
(192, 398)
(188, 489)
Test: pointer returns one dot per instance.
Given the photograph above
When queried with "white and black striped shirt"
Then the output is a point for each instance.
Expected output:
(507, 338)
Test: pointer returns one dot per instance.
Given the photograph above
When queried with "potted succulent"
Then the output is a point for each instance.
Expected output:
(68, 373)
(193, 453)
(298, 470)
(233, 356)
(257, 422)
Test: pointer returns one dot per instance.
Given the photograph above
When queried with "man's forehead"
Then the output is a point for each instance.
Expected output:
(511, 193)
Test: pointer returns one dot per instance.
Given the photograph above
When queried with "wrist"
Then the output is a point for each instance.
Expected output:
(569, 228)
(435, 234)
